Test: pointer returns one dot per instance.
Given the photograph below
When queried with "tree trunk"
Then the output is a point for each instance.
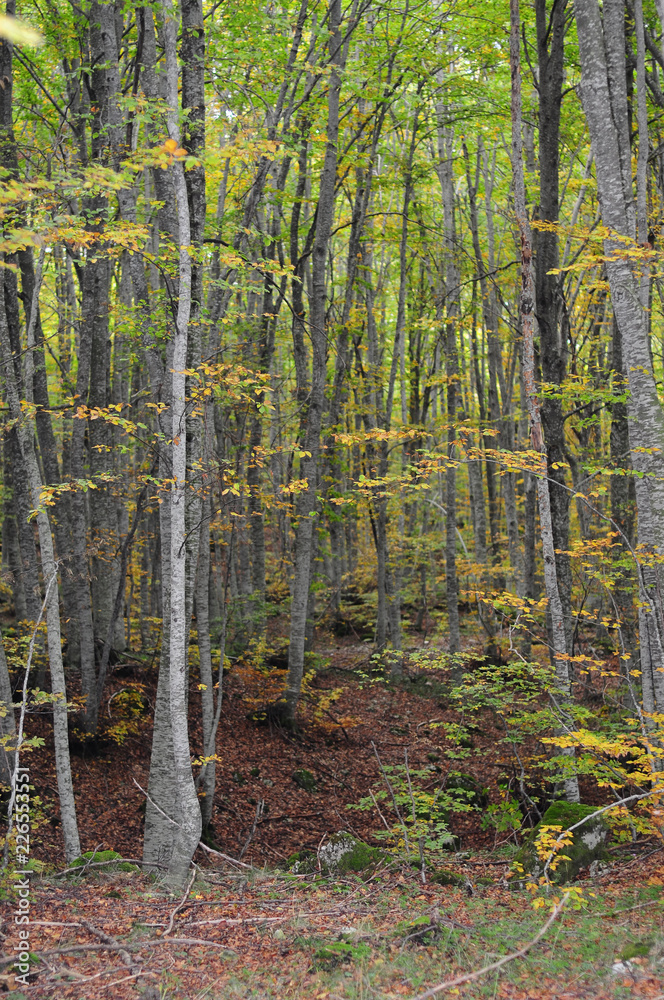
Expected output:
(173, 815)
(604, 89)
(452, 292)
(529, 331)
(79, 517)
(207, 784)
(188, 833)
(548, 287)
(7, 722)
(306, 502)
(25, 435)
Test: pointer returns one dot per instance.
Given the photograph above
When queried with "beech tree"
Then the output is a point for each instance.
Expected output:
(321, 306)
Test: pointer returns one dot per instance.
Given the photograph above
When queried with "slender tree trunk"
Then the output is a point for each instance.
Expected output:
(623, 504)
(452, 309)
(207, 785)
(306, 505)
(26, 535)
(25, 435)
(107, 147)
(189, 830)
(529, 331)
(7, 721)
(78, 514)
(11, 553)
(551, 30)
(173, 815)
(31, 285)
(388, 562)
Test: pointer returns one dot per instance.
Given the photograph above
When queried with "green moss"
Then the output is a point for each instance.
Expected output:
(566, 814)
(587, 845)
(300, 859)
(305, 779)
(361, 858)
(331, 955)
(445, 876)
(95, 857)
(636, 949)
(342, 854)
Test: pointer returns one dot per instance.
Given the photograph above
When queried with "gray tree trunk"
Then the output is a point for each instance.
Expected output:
(7, 721)
(604, 96)
(188, 832)
(452, 310)
(25, 435)
(529, 331)
(173, 816)
(79, 518)
(306, 503)
(551, 30)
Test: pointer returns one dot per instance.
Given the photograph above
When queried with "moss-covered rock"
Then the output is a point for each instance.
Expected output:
(445, 876)
(300, 862)
(636, 949)
(305, 779)
(342, 854)
(588, 844)
(95, 857)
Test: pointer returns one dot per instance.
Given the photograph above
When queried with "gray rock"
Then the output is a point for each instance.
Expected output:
(343, 853)
(586, 849)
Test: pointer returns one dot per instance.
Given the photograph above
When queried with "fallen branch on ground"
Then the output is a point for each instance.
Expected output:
(180, 904)
(128, 946)
(111, 942)
(80, 869)
(469, 977)
(225, 857)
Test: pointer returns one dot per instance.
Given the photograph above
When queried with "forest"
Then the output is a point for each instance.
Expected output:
(332, 499)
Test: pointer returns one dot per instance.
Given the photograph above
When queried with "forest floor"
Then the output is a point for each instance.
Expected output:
(253, 930)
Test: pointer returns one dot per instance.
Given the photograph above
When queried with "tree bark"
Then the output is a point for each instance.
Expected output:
(306, 503)
(551, 31)
(188, 833)
(25, 435)
(452, 308)
(173, 815)
(7, 721)
(604, 88)
(529, 331)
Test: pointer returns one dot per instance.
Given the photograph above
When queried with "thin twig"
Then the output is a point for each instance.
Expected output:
(111, 942)
(79, 869)
(180, 904)
(21, 720)
(116, 982)
(394, 801)
(469, 977)
(373, 799)
(130, 946)
(219, 854)
(259, 812)
(153, 803)
(242, 921)
(410, 787)
(592, 815)
(627, 909)
(91, 858)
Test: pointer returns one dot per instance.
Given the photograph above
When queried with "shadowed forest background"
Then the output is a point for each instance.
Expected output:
(332, 480)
